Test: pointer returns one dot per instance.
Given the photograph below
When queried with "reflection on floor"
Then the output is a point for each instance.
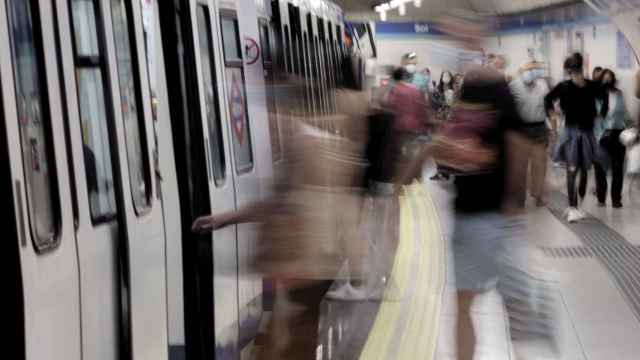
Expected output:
(598, 281)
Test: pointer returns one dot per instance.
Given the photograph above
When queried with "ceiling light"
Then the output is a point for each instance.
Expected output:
(402, 9)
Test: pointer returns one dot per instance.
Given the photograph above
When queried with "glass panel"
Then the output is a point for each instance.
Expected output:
(211, 96)
(264, 43)
(95, 135)
(239, 119)
(85, 29)
(287, 50)
(133, 122)
(231, 39)
(33, 132)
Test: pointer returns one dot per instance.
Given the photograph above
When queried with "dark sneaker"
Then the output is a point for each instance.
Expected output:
(617, 205)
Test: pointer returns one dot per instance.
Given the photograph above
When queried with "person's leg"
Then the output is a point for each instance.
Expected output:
(519, 168)
(538, 172)
(466, 338)
(618, 152)
(572, 173)
(601, 183)
(582, 187)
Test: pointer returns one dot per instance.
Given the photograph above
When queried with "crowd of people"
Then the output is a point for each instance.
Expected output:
(492, 133)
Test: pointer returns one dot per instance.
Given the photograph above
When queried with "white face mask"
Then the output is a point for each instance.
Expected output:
(528, 77)
(446, 78)
(411, 68)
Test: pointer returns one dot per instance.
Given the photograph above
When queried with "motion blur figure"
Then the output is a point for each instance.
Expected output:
(411, 124)
(420, 79)
(309, 226)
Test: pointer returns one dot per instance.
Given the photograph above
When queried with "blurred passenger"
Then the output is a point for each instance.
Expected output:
(443, 99)
(475, 144)
(607, 132)
(597, 74)
(411, 124)
(308, 226)
(529, 90)
(577, 147)
(410, 63)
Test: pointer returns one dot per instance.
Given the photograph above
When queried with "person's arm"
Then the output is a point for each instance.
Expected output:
(550, 99)
(628, 120)
(250, 213)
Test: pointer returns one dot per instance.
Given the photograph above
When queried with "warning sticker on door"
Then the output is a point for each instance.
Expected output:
(236, 106)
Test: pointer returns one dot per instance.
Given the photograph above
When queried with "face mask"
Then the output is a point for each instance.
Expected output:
(528, 77)
(446, 79)
(411, 68)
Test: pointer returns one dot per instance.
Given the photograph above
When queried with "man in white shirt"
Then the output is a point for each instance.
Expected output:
(529, 90)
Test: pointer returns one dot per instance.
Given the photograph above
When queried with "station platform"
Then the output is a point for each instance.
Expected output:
(595, 263)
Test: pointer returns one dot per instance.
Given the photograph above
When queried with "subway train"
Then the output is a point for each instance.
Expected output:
(122, 122)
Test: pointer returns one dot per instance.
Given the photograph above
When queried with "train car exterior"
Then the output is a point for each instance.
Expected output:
(123, 121)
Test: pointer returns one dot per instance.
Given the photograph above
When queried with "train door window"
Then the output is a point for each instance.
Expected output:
(134, 130)
(90, 65)
(265, 42)
(34, 120)
(287, 50)
(274, 129)
(236, 92)
(216, 143)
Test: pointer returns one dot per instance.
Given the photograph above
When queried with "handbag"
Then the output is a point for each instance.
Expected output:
(459, 146)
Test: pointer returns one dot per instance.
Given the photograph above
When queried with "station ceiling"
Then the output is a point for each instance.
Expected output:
(362, 10)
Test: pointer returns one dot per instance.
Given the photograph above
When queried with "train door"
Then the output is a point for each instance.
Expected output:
(248, 130)
(221, 180)
(40, 248)
(120, 231)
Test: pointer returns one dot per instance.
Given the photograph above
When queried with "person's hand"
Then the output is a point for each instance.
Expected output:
(209, 223)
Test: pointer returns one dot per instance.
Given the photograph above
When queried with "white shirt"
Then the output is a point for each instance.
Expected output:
(530, 100)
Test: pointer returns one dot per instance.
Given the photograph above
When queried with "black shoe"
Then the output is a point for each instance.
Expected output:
(602, 204)
(617, 205)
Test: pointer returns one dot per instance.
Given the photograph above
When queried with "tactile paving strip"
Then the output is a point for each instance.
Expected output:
(618, 256)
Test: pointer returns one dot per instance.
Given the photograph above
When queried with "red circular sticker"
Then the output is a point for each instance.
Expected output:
(252, 50)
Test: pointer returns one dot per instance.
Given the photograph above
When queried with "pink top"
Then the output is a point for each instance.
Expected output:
(409, 107)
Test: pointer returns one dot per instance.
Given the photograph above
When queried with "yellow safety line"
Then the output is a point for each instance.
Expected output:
(418, 338)
(389, 311)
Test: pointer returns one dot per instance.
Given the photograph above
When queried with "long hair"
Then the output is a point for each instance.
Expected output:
(442, 86)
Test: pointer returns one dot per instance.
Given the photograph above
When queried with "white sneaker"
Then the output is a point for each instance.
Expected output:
(347, 292)
(575, 215)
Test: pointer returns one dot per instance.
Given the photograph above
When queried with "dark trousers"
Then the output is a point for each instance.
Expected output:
(572, 175)
(616, 152)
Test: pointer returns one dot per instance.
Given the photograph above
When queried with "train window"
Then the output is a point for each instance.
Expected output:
(287, 49)
(34, 120)
(236, 93)
(93, 112)
(211, 95)
(84, 18)
(274, 128)
(265, 43)
(134, 130)
(231, 43)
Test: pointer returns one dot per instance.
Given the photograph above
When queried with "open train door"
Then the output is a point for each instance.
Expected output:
(38, 248)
